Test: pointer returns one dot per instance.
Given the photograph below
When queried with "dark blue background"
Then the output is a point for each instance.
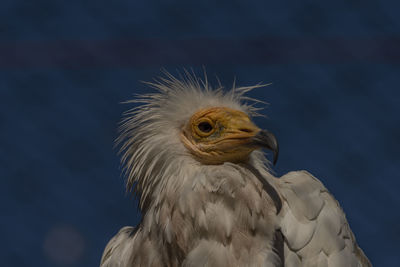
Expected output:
(66, 65)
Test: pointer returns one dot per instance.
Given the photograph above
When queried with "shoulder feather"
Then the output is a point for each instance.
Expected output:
(314, 225)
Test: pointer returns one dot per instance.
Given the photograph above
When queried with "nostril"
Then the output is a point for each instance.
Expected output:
(245, 130)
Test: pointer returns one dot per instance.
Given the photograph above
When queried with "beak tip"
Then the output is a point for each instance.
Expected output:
(268, 140)
(275, 154)
(275, 158)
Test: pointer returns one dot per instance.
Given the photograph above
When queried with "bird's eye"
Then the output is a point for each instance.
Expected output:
(205, 127)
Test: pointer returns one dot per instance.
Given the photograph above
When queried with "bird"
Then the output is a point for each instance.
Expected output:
(194, 158)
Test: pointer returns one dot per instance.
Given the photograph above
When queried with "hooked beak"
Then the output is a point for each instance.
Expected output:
(267, 140)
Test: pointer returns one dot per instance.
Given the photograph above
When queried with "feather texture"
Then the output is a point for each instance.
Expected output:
(314, 225)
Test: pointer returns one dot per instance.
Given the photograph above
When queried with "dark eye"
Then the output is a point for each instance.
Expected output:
(205, 127)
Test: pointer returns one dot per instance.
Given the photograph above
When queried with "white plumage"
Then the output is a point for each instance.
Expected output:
(206, 194)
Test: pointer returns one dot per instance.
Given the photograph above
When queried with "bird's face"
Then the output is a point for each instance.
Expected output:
(218, 134)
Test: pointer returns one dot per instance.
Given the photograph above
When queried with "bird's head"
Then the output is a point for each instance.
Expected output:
(186, 124)
(215, 135)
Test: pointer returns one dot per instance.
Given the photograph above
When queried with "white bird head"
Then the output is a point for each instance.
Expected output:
(186, 123)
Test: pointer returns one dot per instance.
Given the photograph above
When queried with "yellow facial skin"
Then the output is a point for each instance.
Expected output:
(218, 134)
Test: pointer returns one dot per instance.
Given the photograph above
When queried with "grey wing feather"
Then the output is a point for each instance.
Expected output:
(314, 225)
(129, 247)
(118, 249)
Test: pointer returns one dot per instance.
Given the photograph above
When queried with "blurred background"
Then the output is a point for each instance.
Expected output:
(65, 66)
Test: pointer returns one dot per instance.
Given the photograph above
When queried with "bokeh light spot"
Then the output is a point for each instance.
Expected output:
(64, 245)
